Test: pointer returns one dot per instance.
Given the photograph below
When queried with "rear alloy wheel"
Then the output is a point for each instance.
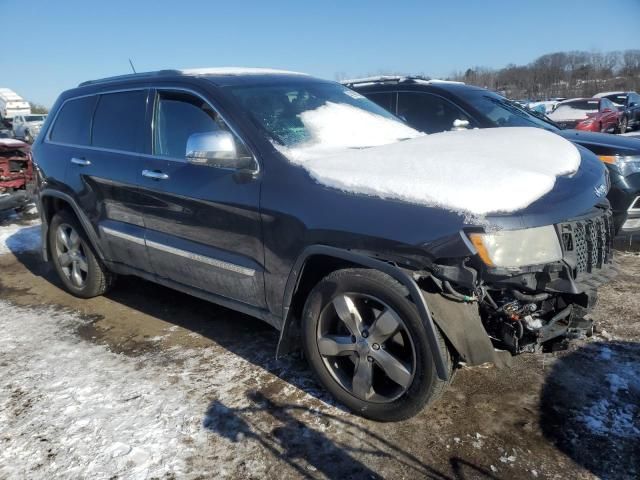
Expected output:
(365, 341)
(72, 255)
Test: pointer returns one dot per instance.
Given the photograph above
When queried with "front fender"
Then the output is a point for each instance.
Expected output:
(366, 261)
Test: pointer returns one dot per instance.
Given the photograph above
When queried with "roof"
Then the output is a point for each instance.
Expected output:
(11, 143)
(197, 72)
(376, 80)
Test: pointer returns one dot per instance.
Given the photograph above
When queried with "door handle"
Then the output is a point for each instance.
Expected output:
(83, 162)
(156, 175)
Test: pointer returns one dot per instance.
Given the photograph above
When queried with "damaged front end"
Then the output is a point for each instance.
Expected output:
(16, 174)
(522, 306)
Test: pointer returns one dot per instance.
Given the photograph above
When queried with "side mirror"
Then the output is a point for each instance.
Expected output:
(459, 124)
(217, 149)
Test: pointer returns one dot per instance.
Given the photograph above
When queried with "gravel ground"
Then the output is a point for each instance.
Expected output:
(150, 383)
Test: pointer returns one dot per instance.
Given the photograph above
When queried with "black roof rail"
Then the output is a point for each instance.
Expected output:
(130, 76)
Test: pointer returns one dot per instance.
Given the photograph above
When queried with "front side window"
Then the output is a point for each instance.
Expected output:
(73, 123)
(385, 99)
(430, 113)
(618, 98)
(179, 115)
(119, 120)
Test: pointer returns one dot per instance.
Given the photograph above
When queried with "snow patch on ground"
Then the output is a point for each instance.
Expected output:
(616, 413)
(20, 238)
(471, 171)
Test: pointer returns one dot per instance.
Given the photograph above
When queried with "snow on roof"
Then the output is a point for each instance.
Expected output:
(472, 171)
(605, 94)
(397, 78)
(237, 71)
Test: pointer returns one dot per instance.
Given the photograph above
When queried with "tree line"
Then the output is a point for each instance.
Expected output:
(560, 74)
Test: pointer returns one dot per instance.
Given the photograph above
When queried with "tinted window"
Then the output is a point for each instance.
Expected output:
(385, 100)
(428, 113)
(618, 98)
(179, 115)
(74, 121)
(119, 120)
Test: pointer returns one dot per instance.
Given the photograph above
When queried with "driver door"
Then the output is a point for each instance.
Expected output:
(202, 222)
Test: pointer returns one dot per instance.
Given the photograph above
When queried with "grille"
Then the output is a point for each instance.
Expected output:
(588, 243)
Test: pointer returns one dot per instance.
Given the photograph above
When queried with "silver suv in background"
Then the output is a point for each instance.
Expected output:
(27, 127)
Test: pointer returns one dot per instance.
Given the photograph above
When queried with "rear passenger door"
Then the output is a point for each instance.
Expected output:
(103, 174)
(202, 222)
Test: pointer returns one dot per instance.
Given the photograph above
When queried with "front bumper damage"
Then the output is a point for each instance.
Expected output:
(487, 312)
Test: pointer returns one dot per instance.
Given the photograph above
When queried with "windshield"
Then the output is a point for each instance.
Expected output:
(618, 98)
(34, 118)
(586, 105)
(502, 112)
(319, 114)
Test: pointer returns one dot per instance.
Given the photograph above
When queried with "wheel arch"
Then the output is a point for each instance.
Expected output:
(317, 261)
(52, 201)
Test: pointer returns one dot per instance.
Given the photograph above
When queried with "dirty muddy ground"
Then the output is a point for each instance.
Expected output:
(149, 383)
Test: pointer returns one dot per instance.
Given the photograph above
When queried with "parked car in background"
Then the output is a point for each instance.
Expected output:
(27, 127)
(589, 114)
(629, 105)
(434, 107)
(12, 104)
(272, 193)
(16, 174)
(545, 106)
(6, 133)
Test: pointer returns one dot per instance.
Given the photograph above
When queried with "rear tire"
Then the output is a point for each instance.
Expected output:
(72, 255)
(344, 336)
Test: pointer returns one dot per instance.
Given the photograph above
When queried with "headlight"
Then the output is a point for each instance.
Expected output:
(627, 164)
(518, 248)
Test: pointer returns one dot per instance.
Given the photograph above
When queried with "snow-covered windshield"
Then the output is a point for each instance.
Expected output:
(320, 116)
(502, 112)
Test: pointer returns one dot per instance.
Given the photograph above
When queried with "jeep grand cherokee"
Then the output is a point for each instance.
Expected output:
(300, 202)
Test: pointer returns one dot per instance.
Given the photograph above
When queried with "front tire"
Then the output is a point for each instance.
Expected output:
(80, 270)
(366, 343)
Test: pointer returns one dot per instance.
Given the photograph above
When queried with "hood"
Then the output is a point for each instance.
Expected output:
(603, 143)
(571, 196)
(10, 144)
(473, 172)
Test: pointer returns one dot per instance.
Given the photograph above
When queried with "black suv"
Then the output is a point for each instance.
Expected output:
(433, 106)
(186, 178)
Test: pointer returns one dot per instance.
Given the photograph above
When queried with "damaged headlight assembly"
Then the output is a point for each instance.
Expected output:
(518, 248)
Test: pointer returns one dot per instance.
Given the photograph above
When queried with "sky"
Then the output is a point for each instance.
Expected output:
(51, 45)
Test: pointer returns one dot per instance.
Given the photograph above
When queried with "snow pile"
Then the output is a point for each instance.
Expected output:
(237, 71)
(20, 238)
(471, 171)
(335, 127)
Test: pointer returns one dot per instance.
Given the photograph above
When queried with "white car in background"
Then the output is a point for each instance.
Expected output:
(27, 127)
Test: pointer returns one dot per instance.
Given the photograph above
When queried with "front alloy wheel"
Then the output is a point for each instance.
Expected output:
(366, 347)
(366, 343)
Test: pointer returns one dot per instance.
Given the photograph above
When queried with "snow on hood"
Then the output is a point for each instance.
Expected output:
(472, 171)
(335, 127)
(569, 113)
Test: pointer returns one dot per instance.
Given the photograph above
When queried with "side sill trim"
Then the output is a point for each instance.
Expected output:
(124, 236)
(232, 267)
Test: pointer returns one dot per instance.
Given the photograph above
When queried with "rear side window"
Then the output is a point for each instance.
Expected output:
(73, 123)
(119, 120)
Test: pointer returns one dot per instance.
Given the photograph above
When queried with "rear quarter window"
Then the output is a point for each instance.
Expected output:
(73, 123)
(119, 120)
